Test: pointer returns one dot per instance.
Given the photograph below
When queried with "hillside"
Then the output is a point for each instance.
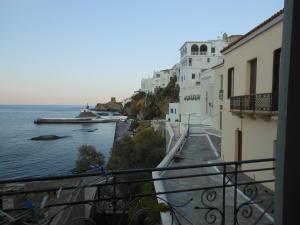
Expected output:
(109, 106)
(152, 106)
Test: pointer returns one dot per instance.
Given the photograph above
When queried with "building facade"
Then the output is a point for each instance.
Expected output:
(173, 114)
(250, 97)
(218, 96)
(160, 79)
(195, 58)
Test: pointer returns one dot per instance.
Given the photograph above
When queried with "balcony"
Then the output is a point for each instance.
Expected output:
(224, 194)
(265, 103)
(221, 94)
(195, 53)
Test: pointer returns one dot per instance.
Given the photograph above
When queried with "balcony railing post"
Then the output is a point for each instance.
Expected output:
(98, 195)
(241, 103)
(224, 195)
(271, 102)
(1, 204)
(114, 197)
(235, 192)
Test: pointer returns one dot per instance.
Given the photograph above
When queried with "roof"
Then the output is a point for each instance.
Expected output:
(199, 42)
(254, 29)
(220, 64)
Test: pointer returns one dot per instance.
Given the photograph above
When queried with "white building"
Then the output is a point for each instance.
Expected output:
(218, 96)
(173, 114)
(146, 85)
(160, 79)
(195, 58)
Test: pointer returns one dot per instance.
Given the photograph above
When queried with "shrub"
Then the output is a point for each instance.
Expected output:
(88, 158)
(146, 149)
(152, 215)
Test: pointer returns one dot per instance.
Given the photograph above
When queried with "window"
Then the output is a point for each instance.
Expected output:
(203, 49)
(221, 82)
(103, 114)
(175, 111)
(230, 83)
(208, 60)
(193, 76)
(172, 111)
(194, 49)
(252, 72)
(190, 61)
(198, 83)
(206, 102)
(181, 78)
(213, 49)
(275, 83)
(238, 139)
(157, 75)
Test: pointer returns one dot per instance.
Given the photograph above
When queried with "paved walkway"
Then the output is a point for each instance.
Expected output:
(198, 150)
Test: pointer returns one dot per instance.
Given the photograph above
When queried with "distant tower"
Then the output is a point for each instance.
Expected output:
(225, 36)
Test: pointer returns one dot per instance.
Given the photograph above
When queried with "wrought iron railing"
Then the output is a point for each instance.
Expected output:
(265, 102)
(232, 196)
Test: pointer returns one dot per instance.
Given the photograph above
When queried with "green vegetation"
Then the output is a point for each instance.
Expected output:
(152, 106)
(88, 158)
(110, 106)
(146, 149)
(152, 214)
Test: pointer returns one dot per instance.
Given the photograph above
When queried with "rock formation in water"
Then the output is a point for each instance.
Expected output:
(47, 138)
(113, 105)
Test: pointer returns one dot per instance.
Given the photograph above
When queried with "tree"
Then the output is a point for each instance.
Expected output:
(88, 158)
(123, 155)
(146, 149)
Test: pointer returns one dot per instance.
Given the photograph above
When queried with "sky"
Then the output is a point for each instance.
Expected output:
(87, 51)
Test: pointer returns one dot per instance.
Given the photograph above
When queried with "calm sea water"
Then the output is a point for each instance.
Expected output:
(21, 157)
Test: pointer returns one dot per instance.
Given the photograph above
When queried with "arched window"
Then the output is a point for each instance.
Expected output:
(203, 49)
(194, 49)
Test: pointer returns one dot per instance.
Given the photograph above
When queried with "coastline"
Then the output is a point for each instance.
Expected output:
(121, 130)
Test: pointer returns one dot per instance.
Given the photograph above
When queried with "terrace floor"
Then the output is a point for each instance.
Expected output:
(198, 149)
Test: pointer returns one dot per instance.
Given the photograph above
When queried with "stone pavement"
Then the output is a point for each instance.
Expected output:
(198, 150)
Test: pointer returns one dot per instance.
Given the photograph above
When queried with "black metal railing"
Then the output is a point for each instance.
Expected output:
(265, 102)
(222, 193)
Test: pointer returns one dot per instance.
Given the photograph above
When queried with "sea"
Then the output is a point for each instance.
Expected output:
(21, 157)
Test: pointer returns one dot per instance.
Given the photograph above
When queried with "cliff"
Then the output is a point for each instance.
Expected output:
(152, 105)
(109, 106)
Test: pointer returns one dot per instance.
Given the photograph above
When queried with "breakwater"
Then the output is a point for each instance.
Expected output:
(22, 157)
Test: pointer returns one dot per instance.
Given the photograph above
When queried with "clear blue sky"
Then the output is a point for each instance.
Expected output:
(74, 52)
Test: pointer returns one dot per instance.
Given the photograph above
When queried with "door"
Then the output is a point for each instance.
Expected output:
(253, 66)
(238, 136)
(275, 83)
(252, 88)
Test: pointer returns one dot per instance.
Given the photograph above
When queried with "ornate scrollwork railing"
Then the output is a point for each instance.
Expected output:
(225, 194)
